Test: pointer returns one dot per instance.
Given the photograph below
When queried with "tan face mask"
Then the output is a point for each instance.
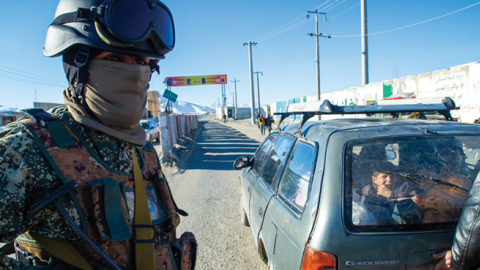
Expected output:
(116, 93)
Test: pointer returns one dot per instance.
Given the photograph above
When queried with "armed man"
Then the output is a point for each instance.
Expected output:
(80, 188)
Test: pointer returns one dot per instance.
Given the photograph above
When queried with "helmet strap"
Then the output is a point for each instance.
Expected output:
(81, 60)
(154, 66)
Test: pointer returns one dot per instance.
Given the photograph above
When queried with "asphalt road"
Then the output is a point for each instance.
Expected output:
(208, 188)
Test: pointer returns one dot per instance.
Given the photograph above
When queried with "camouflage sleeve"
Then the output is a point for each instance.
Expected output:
(14, 178)
(25, 177)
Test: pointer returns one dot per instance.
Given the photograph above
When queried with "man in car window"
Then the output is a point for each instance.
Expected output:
(441, 204)
(452, 157)
(388, 199)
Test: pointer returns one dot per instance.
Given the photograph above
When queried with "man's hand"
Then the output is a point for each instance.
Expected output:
(384, 191)
(444, 263)
(417, 200)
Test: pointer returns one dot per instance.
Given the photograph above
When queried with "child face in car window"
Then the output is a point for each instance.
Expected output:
(383, 179)
(385, 183)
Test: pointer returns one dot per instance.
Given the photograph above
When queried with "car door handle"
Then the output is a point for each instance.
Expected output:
(260, 211)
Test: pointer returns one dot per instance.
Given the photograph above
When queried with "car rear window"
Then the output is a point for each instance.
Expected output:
(405, 184)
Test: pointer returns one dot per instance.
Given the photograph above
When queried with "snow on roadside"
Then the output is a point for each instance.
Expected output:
(183, 107)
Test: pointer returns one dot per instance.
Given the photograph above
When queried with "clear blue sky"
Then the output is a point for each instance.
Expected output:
(211, 33)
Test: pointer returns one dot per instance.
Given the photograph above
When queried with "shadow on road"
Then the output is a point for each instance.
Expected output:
(218, 145)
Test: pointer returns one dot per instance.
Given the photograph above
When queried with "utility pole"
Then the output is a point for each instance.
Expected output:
(317, 35)
(235, 82)
(258, 89)
(224, 99)
(251, 78)
(364, 42)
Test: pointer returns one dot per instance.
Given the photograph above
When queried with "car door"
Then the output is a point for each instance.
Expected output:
(286, 228)
(156, 130)
(247, 175)
(263, 187)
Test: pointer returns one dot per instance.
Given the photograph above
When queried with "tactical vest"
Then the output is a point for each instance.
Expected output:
(104, 196)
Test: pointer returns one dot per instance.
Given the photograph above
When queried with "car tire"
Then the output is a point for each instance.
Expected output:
(245, 219)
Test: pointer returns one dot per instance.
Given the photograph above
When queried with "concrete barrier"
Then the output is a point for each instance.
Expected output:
(172, 128)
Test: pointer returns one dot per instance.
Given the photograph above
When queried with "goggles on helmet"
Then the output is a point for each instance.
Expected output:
(123, 23)
(133, 21)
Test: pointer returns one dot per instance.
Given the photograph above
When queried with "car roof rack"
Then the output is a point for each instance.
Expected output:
(325, 107)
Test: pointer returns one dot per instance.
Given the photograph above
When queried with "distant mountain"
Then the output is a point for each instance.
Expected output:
(186, 107)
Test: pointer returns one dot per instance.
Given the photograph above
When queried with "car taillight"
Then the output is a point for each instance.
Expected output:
(318, 260)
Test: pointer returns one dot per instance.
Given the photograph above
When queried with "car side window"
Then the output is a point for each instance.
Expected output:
(261, 153)
(275, 159)
(297, 176)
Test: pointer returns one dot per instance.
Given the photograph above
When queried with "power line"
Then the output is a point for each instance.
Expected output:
(411, 25)
(288, 26)
(285, 25)
(320, 6)
(14, 77)
(284, 30)
(344, 11)
(21, 76)
(26, 74)
(327, 8)
(239, 61)
(272, 58)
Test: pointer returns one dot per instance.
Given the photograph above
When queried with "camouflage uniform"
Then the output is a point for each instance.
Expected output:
(26, 177)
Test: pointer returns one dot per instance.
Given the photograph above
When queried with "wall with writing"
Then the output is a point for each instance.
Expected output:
(461, 83)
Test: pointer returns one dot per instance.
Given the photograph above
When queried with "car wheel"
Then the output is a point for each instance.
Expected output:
(245, 219)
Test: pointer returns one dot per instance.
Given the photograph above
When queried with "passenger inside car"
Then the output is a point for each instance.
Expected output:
(443, 204)
(389, 199)
(368, 155)
(360, 215)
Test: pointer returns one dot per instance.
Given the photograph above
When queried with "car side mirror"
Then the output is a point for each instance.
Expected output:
(242, 162)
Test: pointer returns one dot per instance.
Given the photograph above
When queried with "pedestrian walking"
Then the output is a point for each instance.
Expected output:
(258, 120)
(268, 123)
(261, 124)
(81, 188)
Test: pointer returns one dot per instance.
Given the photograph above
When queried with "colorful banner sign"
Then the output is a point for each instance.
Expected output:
(196, 80)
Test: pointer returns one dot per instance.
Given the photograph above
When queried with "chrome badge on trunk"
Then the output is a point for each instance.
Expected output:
(353, 263)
